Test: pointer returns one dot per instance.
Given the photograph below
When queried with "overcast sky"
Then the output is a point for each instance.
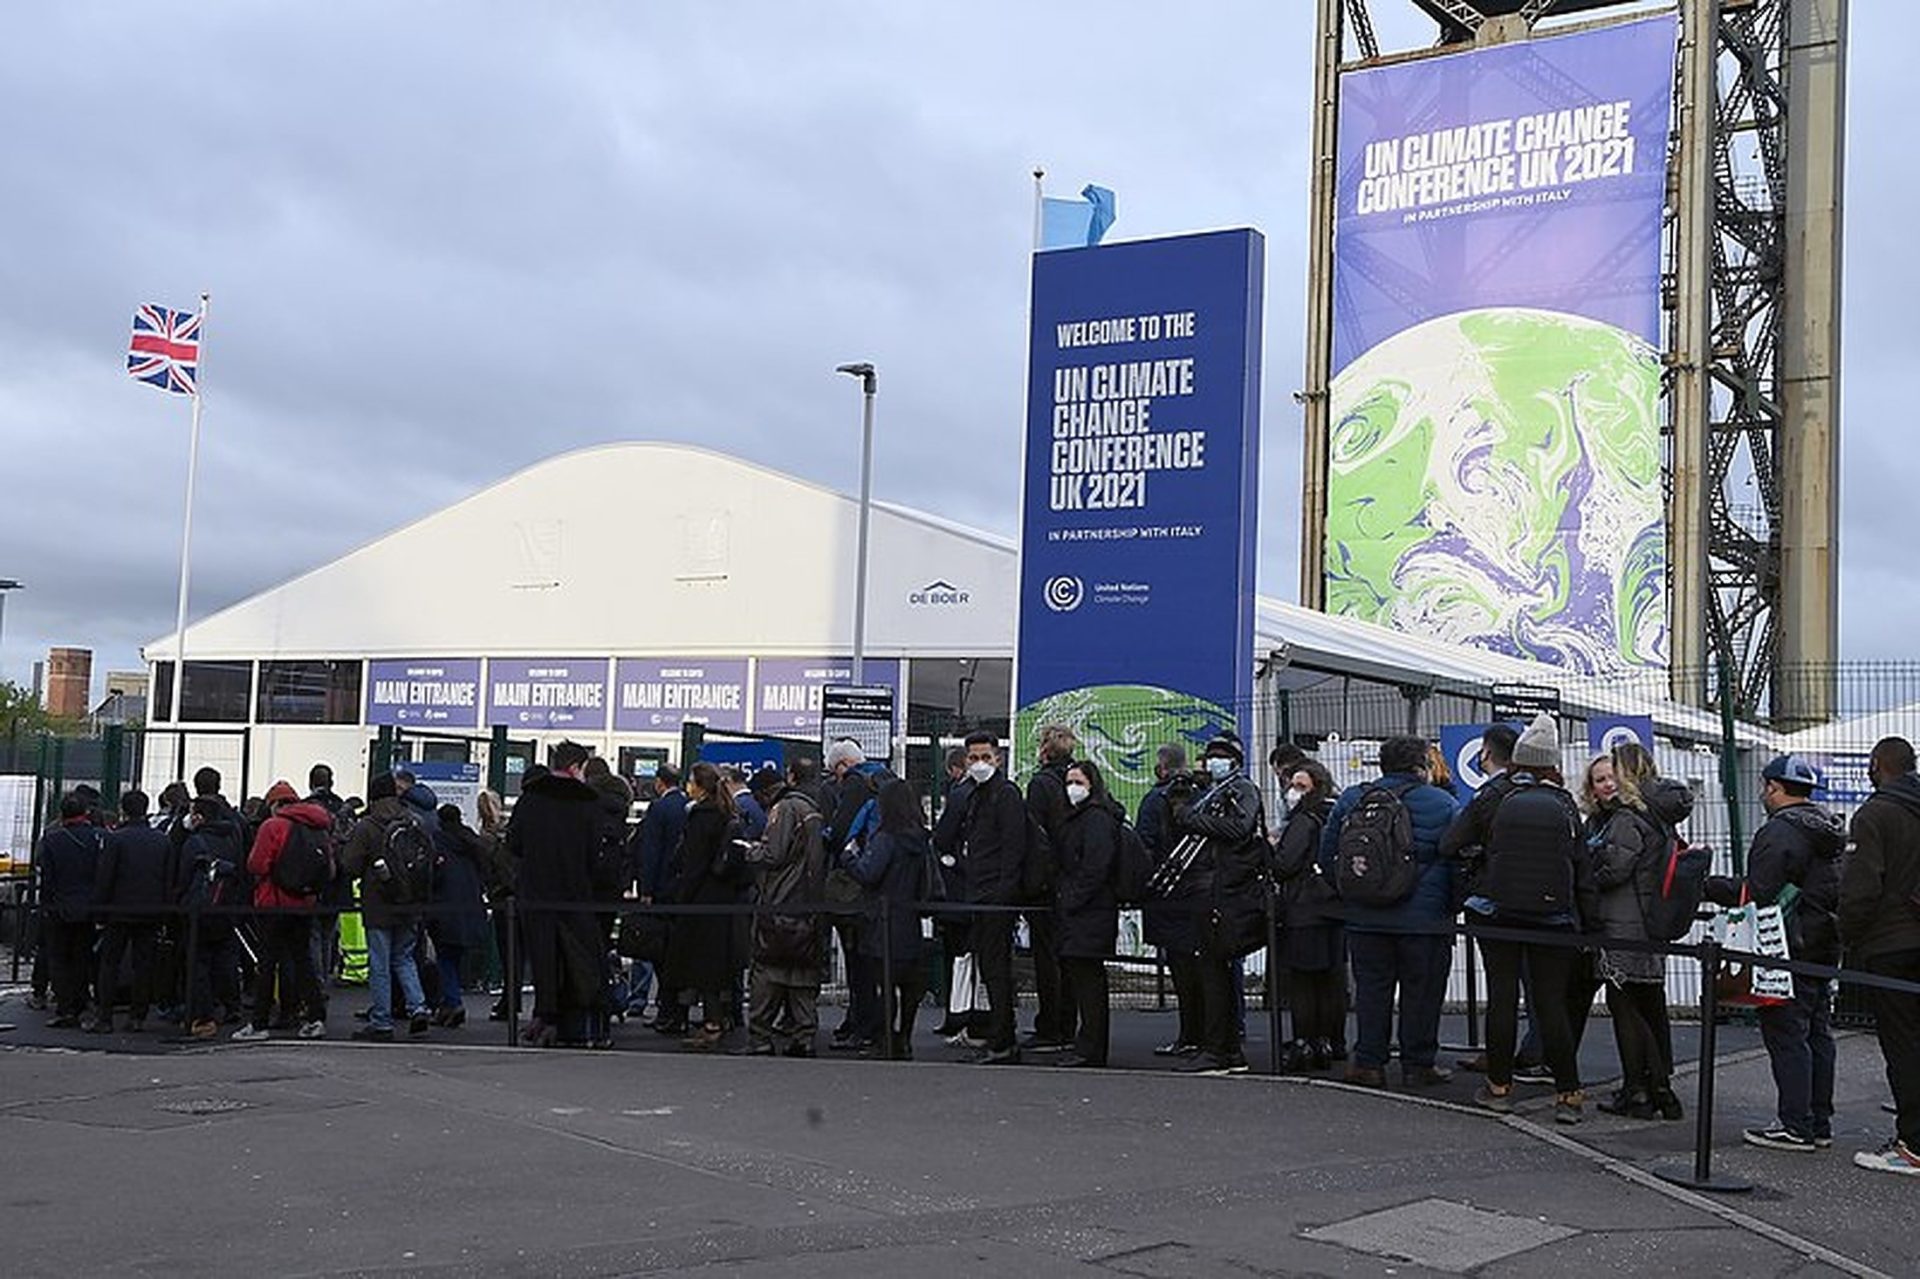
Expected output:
(447, 240)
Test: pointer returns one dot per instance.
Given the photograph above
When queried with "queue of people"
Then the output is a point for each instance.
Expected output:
(1364, 886)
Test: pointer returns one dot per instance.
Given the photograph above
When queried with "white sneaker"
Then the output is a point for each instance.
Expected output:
(250, 1034)
(1894, 1157)
(314, 1030)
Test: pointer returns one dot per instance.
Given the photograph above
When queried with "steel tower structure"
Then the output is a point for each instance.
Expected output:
(1752, 301)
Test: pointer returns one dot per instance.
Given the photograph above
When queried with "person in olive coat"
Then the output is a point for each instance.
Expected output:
(1086, 912)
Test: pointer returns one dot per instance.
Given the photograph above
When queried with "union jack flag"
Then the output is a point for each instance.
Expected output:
(166, 349)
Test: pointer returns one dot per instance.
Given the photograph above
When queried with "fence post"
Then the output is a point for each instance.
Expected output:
(1730, 770)
(497, 760)
(1473, 1000)
(1701, 1177)
(510, 990)
(1273, 978)
(381, 760)
(888, 1011)
(112, 761)
(246, 761)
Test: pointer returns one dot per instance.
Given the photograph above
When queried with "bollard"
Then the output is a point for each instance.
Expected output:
(1473, 1000)
(1700, 1176)
(189, 965)
(510, 990)
(1273, 992)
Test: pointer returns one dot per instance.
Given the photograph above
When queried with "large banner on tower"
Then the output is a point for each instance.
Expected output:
(1142, 471)
(1494, 460)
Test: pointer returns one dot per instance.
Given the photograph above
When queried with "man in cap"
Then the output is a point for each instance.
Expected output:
(1226, 884)
(1794, 862)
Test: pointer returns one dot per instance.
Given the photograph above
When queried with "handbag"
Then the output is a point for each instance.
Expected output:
(1758, 930)
(967, 993)
(642, 936)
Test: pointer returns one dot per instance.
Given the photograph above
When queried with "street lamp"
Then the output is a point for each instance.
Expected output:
(6, 584)
(868, 381)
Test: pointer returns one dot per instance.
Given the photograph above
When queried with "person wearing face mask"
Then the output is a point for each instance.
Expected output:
(1313, 948)
(1086, 912)
(1228, 877)
(993, 842)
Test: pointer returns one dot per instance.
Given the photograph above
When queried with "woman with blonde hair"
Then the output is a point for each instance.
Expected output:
(1631, 815)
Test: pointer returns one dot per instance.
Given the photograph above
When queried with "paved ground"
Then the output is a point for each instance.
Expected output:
(461, 1157)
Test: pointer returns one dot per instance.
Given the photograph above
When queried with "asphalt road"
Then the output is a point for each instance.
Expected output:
(457, 1156)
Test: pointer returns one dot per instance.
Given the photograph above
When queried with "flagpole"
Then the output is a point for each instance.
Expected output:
(186, 538)
(1039, 201)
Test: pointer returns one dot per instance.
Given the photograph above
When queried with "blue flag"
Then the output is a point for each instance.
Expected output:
(1076, 224)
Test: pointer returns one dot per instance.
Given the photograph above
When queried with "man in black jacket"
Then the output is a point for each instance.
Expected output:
(1053, 1021)
(994, 836)
(1880, 925)
(66, 862)
(131, 887)
(1228, 878)
(1795, 861)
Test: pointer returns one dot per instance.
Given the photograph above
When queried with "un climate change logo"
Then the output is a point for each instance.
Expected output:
(1064, 594)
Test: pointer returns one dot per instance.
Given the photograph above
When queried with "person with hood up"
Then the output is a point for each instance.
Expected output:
(212, 859)
(789, 863)
(1632, 813)
(1227, 878)
(1086, 912)
(552, 838)
(286, 938)
(1313, 946)
(1538, 879)
(1794, 862)
(388, 908)
(1879, 920)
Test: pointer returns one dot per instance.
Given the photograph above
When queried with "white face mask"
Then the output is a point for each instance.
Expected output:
(980, 771)
(1076, 793)
(1218, 768)
(1292, 799)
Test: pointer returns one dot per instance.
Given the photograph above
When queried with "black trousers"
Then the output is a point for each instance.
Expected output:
(69, 948)
(1318, 1001)
(1897, 1021)
(1087, 979)
(1052, 987)
(1219, 1011)
(993, 952)
(213, 973)
(116, 942)
(1639, 1012)
(286, 946)
(909, 988)
(1184, 969)
(1551, 968)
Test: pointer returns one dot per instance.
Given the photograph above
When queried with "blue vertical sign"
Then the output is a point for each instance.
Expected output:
(1138, 534)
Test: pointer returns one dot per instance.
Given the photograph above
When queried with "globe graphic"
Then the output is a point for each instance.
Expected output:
(1494, 481)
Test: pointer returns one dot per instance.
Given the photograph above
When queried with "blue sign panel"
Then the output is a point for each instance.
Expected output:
(1142, 470)
(1604, 732)
(436, 692)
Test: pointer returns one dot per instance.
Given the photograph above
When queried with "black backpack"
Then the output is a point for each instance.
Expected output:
(1374, 863)
(1524, 876)
(305, 864)
(408, 855)
(1131, 867)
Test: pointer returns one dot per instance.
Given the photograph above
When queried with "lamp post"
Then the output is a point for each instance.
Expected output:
(6, 584)
(869, 380)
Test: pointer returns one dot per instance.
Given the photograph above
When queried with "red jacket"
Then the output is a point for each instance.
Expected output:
(268, 895)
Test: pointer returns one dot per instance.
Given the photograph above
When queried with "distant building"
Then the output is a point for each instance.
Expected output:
(69, 682)
(127, 683)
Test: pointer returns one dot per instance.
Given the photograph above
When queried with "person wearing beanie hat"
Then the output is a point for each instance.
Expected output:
(1408, 946)
(1537, 876)
(1539, 744)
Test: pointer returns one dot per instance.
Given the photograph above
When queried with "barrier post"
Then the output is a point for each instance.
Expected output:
(888, 1012)
(1701, 1177)
(188, 964)
(1273, 977)
(1473, 1000)
(510, 991)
